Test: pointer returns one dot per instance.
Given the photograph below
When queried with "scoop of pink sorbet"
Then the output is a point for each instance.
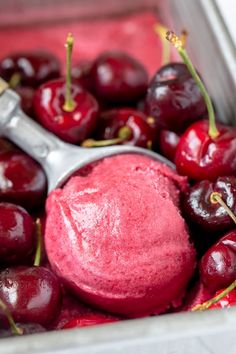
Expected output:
(117, 239)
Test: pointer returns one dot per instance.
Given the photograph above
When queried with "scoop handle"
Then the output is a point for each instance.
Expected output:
(24, 131)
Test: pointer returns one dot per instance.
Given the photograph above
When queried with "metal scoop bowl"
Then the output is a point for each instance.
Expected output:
(58, 159)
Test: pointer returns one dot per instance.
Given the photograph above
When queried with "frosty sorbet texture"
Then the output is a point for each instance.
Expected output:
(117, 239)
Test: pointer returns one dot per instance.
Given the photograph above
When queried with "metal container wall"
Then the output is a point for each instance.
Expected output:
(213, 53)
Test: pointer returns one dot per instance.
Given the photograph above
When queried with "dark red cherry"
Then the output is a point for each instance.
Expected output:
(168, 142)
(174, 99)
(26, 328)
(33, 68)
(218, 265)
(16, 233)
(81, 74)
(118, 78)
(72, 126)
(200, 157)
(32, 294)
(210, 217)
(26, 94)
(89, 320)
(226, 301)
(128, 124)
(22, 180)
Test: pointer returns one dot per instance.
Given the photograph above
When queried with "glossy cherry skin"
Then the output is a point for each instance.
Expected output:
(34, 68)
(89, 320)
(174, 99)
(72, 127)
(27, 328)
(218, 265)
(111, 121)
(16, 233)
(208, 216)
(118, 78)
(32, 294)
(226, 301)
(26, 94)
(22, 180)
(81, 74)
(168, 142)
(200, 157)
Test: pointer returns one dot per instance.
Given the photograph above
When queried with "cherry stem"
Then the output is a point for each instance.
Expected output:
(38, 254)
(14, 328)
(124, 133)
(209, 303)
(176, 41)
(14, 80)
(160, 30)
(215, 198)
(69, 104)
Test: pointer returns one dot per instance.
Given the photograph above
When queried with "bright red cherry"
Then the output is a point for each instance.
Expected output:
(168, 142)
(174, 99)
(89, 320)
(226, 301)
(16, 234)
(31, 68)
(199, 156)
(118, 78)
(66, 109)
(218, 265)
(32, 294)
(22, 180)
(123, 126)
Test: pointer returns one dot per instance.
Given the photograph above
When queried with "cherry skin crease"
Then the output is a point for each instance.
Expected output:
(111, 121)
(201, 157)
(218, 265)
(32, 294)
(72, 127)
(22, 180)
(118, 78)
(16, 234)
(207, 216)
(34, 68)
(174, 99)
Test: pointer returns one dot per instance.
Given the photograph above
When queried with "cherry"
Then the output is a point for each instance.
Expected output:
(174, 99)
(16, 233)
(89, 320)
(199, 156)
(218, 265)
(118, 78)
(26, 94)
(81, 75)
(66, 109)
(168, 142)
(122, 126)
(206, 214)
(31, 68)
(32, 294)
(226, 301)
(22, 180)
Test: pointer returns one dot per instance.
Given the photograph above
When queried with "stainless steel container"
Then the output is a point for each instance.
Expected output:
(213, 52)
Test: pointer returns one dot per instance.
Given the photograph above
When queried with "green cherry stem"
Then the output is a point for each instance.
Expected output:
(14, 328)
(38, 228)
(124, 133)
(69, 104)
(216, 198)
(176, 41)
(207, 304)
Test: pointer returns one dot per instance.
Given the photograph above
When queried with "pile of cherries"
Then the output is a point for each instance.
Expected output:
(103, 102)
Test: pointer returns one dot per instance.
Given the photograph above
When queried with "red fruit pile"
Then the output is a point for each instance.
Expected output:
(96, 105)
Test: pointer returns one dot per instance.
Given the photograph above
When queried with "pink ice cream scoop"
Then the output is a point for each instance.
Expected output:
(117, 239)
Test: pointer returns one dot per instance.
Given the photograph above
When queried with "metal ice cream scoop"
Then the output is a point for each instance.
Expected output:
(58, 159)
